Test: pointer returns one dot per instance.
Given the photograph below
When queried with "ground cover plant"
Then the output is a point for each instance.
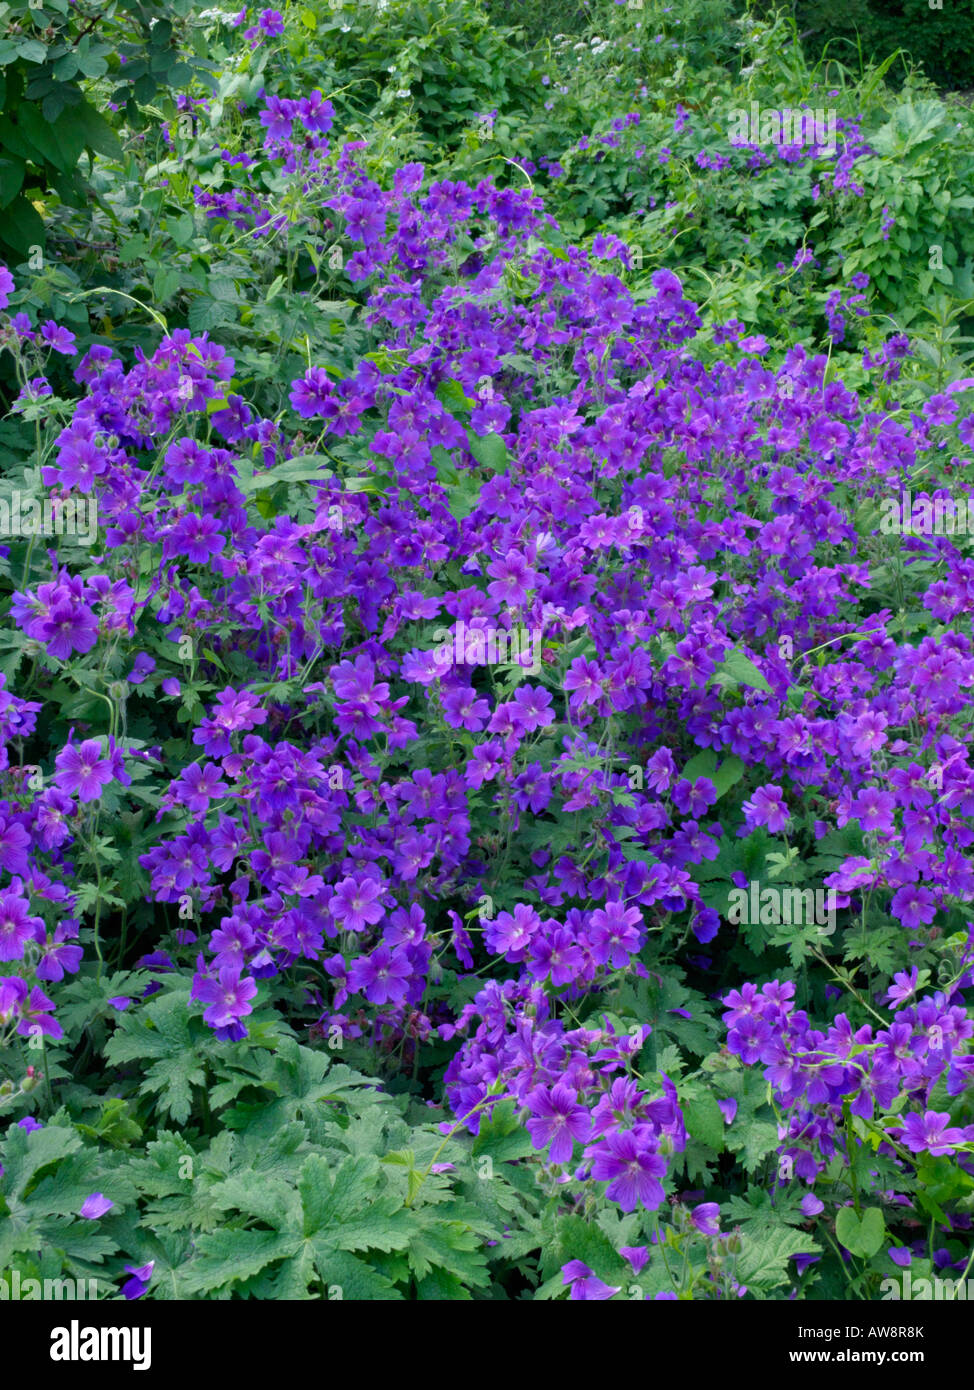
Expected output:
(486, 668)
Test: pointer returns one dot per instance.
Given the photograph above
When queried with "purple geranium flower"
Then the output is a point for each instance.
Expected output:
(95, 1206)
(558, 1120)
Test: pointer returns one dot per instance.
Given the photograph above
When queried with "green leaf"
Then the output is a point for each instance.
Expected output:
(738, 669)
(502, 1137)
(701, 765)
(765, 1261)
(453, 398)
(32, 51)
(11, 180)
(578, 1239)
(43, 138)
(352, 1276)
(314, 1186)
(228, 1256)
(96, 132)
(181, 229)
(22, 226)
(704, 1121)
(863, 1237)
(489, 450)
(26, 1154)
(729, 773)
(223, 289)
(304, 468)
(205, 314)
(165, 283)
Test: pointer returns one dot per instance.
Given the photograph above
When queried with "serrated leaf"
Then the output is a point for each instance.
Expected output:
(225, 1257)
(763, 1262)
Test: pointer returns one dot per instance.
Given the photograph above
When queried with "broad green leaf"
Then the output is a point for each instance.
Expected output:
(489, 450)
(304, 468)
(453, 398)
(703, 764)
(739, 669)
(703, 1120)
(861, 1236)
(729, 773)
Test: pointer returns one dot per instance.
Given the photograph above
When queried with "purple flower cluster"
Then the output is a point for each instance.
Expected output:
(554, 825)
(815, 1073)
(567, 1082)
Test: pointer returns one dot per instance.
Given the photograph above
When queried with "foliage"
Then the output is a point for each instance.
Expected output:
(51, 53)
(485, 800)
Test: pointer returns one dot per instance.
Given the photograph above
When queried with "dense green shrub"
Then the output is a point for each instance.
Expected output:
(48, 51)
(942, 39)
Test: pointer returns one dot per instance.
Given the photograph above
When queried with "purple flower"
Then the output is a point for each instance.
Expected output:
(585, 1284)
(228, 996)
(17, 926)
(95, 1206)
(143, 666)
(84, 769)
(632, 1170)
(706, 1218)
(903, 987)
(60, 340)
(929, 1133)
(140, 1280)
(381, 976)
(558, 1120)
(271, 23)
(357, 903)
(767, 807)
(613, 934)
